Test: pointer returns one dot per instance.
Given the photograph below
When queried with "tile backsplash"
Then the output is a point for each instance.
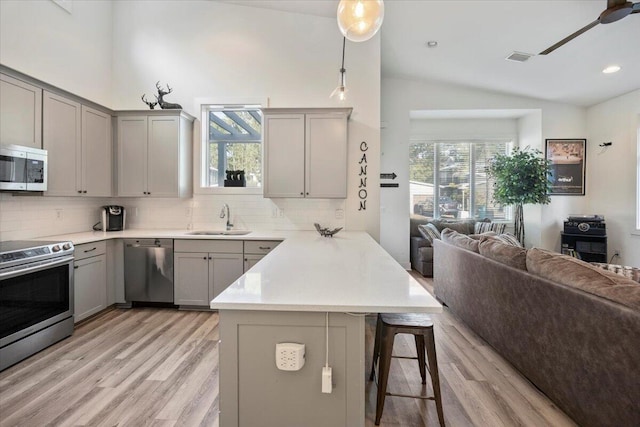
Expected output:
(24, 217)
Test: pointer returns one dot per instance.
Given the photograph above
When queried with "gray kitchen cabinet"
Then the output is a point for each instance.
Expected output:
(154, 154)
(305, 152)
(20, 112)
(90, 280)
(204, 268)
(79, 144)
(255, 250)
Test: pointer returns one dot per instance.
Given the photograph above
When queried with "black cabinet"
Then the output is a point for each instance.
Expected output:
(586, 247)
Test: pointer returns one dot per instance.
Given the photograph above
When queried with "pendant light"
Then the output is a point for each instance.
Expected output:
(359, 20)
(341, 91)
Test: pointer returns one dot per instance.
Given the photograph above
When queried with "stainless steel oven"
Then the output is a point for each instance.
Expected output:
(36, 297)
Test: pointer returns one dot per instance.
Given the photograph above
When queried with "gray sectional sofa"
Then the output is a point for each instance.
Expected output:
(579, 344)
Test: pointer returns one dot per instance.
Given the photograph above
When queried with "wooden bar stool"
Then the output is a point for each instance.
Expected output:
(421, 327)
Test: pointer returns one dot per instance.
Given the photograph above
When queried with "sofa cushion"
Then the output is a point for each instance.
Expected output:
(485, 234)
(414, 222)
(570, 271)
(482, 227)
(461, 226)
(429, 232)
(504, 253)
(458, 239)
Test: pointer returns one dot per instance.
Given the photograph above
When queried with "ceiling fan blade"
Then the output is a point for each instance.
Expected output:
(612, 3)
(570, 37)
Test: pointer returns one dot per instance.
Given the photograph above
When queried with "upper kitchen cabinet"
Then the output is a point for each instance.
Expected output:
(154, 153)
(305, 152)
(20, 112)
(79, 144)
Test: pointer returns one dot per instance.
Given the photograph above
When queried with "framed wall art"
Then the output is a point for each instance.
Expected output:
(568, 160)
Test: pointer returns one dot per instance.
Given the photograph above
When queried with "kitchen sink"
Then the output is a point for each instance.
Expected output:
(219, 233)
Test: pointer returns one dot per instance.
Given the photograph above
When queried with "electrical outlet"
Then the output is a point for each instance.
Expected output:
(339, 213)
(59, 214)
(290, 356)
(281, 213)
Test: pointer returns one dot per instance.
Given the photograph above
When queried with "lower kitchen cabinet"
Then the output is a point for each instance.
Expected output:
(204, 268)
(255, 250)
(90, 280)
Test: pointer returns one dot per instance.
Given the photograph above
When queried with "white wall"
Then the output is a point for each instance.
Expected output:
(203, 49)
(69, 50)
(611, 172)
(464, 128)
(401, 96)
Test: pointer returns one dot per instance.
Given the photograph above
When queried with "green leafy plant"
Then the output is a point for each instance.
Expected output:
(520, 178)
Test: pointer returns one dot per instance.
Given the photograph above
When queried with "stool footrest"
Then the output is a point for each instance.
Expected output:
(411, 395)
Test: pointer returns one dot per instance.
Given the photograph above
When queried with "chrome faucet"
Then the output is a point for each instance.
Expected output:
(225, 211)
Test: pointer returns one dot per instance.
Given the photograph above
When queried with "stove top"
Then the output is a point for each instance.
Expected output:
(21, 251)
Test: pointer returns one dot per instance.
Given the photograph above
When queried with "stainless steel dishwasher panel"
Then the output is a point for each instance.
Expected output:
(148, 270)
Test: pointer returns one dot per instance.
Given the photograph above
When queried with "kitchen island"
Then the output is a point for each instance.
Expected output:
(285, 298)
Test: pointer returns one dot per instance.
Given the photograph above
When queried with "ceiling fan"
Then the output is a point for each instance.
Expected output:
(615, 11)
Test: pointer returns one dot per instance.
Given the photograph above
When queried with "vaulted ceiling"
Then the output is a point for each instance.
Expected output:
(475, 36)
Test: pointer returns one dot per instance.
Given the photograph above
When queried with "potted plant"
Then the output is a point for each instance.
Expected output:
(520, 178)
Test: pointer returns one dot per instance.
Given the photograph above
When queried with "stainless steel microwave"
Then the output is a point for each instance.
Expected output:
(23, 168)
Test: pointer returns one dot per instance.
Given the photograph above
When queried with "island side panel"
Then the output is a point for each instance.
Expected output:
(253, 392)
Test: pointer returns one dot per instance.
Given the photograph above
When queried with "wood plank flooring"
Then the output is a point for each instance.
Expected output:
(159, 367)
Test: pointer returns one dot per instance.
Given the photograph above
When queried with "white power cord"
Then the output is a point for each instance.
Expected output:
(327, 384)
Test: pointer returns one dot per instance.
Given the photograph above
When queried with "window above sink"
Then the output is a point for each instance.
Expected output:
(231, 139)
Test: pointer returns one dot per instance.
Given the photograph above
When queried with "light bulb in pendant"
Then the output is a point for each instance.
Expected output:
(340, 91)
(359, 20)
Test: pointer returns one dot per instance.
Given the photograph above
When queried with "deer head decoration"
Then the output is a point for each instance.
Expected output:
(161, 93)
(149, 103)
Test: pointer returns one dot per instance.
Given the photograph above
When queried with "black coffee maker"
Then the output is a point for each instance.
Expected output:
(113, 218)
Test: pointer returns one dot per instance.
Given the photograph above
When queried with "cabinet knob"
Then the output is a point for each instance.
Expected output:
(246, 259)
(85, 191)
(204, 258)
(209, 257)
(301, 193)
(307, 193)
(79, 191)
(149, 193)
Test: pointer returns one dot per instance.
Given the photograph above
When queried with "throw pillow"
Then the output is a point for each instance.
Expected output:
(483, 227)
(573, 272)
(632, 273)
(504, 253)
(429, 232)
(458, 239)
(509, 239)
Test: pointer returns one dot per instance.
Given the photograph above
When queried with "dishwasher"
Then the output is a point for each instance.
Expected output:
(148, 271)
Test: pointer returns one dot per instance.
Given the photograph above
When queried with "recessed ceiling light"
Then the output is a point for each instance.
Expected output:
(611, 69)
(432, 43)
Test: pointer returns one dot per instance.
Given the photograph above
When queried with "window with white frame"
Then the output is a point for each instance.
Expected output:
(448, 179)
(232, 138)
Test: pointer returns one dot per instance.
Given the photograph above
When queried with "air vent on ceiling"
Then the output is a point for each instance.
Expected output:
(519, 56)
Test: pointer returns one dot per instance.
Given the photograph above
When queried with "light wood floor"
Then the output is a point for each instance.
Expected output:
(159, 367)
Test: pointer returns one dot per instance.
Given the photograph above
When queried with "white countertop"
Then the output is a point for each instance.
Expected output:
(94, 236)
(347, 273)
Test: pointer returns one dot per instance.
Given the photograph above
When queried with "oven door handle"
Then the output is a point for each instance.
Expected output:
(21, 271)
